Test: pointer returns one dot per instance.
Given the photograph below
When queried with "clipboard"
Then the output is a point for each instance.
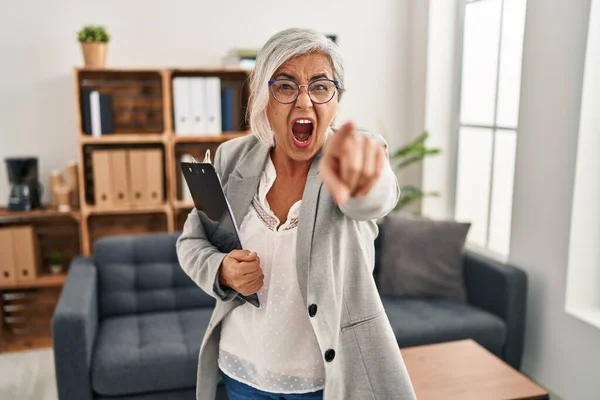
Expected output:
(214, 210)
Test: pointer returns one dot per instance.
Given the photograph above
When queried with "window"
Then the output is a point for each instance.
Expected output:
(489, 107)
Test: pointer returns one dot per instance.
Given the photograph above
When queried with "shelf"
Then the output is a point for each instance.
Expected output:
(7, 216)
(174, 70)
(160, 208)
(123, 138)
(180, 205)
(12, 343)
(211, 70)
(210, 138)
(117, 69)
(45, 280)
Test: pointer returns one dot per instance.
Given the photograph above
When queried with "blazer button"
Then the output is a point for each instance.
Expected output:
(312, 310)
(329, 355)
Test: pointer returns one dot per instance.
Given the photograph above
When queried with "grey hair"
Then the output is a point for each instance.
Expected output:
(279, 49)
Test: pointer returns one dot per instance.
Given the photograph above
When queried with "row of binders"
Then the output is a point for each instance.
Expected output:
(97, 112)
(206, 106)
(128, 178)
(20, 255)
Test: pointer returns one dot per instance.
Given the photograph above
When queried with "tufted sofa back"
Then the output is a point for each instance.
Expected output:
(140, 274)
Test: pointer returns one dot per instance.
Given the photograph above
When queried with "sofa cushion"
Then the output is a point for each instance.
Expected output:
(422, 258)
(417, 322)
(149, 352)
(140, 273)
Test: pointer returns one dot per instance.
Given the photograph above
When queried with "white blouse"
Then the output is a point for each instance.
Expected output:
(272, 348)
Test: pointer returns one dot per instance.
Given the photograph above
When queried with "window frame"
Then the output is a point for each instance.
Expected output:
(460, 30)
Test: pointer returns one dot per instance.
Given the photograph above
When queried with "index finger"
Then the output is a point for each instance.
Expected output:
(339, 191)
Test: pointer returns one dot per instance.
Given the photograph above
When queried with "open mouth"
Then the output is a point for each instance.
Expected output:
(302, 132)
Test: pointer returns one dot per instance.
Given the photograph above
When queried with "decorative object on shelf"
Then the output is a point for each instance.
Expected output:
(94, 41)
(63, 195)
(56, 262)
(26, 190)
(243, 58)
(56, 180)
(72, 182)
(65, 192)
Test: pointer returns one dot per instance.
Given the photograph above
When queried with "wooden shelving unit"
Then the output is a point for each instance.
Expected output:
(143, 118)
(45, 280)
(209, 139)
(123, 139)
(138, 89)
(6, 216)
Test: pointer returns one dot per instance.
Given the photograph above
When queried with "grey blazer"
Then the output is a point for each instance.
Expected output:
(335, 260)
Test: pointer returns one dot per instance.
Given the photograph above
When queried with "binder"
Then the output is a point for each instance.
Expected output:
(27, 253)
(95, 113)
(101, 162)
(182, 105)
(8, 267)
(213, 105)
(106, 114)
(198, 106)
(214, 211)
(227, 109)
(101, 113)
(119, 177)
(154, 176)
(86, 111)
(137, 177)
(236, 103)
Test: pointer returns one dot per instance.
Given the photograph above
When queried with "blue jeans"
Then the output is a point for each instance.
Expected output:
(239, 391)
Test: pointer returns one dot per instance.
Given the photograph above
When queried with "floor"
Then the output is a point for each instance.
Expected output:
(28, 375)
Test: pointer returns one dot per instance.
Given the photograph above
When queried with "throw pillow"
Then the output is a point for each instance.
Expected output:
(422, 258)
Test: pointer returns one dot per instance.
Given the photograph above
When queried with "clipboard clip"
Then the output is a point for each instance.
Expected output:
(206, 158)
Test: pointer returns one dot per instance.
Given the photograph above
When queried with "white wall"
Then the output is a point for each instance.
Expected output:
(561, 352)
(38, 50)
(441, 108)
(583, 284)
(414, 95)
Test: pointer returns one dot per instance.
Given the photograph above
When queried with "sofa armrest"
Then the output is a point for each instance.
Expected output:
(74, 326)
(500, 289)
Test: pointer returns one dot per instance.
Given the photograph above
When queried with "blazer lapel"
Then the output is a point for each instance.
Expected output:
(243, 181)
(306, 224)
(241, 188)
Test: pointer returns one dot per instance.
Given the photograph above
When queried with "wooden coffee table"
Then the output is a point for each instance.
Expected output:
(464, 370)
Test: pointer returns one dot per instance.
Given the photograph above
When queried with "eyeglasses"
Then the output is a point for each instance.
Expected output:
(320, 91)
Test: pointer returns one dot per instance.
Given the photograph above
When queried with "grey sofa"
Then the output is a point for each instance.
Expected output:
(493, 316)
(129, 321)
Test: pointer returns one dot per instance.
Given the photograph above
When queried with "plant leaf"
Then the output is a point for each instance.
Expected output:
(409, 161)
(409, 148)
(410, 194)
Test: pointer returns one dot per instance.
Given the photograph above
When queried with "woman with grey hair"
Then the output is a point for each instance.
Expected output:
(307, 198)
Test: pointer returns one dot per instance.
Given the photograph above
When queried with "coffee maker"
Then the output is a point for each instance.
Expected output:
(26, 190)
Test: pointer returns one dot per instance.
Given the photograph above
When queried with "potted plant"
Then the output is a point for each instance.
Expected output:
(94, 40)
(413, 152)
(56, 262)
